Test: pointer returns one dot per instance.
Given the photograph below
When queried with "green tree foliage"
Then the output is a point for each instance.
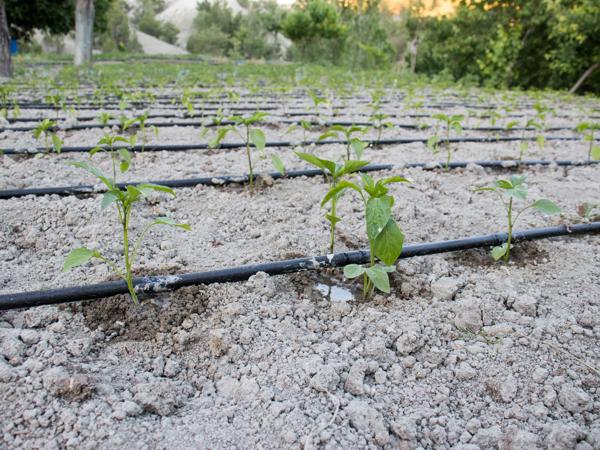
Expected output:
(53, 16)
(221, 32)
(118, 35)
(147, 22)
(525, 43)
(316, 29)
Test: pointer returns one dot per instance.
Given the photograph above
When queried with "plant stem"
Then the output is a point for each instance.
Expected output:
(367, 286)
(128, 277)
(251, 176)
(510, 229)
(332, 229)
(448, 150)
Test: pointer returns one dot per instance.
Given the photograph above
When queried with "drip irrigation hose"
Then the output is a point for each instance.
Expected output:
(236, 145)
(153, 285)
(222, 180)
(167, 115)
(312, 123)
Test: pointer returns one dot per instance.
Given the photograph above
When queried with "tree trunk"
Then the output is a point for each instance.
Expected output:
(5, 59)
(84, 31)
(583, 77)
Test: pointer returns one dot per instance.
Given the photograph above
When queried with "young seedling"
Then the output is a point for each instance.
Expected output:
(317, 100)
(587, 211)
(125, 123)
(385, 237)
(377, 116)
(515, 189)
(119, 156)
(352, 143)
(188, 103)
(45, 127)
(142, 121)
(124, 200)
(245, 128)
(104, 118)
(451, 123)
(305, 125)
(539, 137)
(588, 129)
(334, 173)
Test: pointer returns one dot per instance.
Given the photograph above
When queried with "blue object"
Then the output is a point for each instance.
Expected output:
(14, 46)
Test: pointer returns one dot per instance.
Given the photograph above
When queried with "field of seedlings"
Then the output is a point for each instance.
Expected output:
(254, 256)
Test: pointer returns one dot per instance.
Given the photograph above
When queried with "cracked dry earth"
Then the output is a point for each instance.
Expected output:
(465, 353)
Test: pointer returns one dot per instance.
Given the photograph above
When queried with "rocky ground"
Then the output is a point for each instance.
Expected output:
(465, 353)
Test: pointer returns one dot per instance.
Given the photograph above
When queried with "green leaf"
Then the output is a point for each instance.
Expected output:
(380, 278)
(146, 188)
(504, 184)
(596, 152)
(170, 222)
(337, 189)
(108, 198)
(351, 167)
(540, 140)
(94, 171)
(546, 206)
(95, 150)
(499, 252)
(79, 256)
(257, 137)
(358, 147)
(328, 134)
(278, 164)
(353, 270)
(221, 133)
(394, 179)
(322, 164)
(333, 219)
(432, 143)
(378, 213)
(57, 143)
(125, 159)
(388, 244)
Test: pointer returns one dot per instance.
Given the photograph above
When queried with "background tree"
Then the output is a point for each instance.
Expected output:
(52, 16)
(316, 29)
(5, 59)
(84, 31)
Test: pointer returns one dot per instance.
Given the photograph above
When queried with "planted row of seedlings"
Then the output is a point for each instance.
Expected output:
(385, 237)
(384, 234)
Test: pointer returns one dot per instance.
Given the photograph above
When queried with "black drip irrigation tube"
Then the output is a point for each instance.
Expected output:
(236, 145)
(312, 123)
(223, 180)
(199, 114)
(158, 284)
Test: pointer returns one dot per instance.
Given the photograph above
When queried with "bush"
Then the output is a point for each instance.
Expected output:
(147, 23)
(219, 31)
(118, 36)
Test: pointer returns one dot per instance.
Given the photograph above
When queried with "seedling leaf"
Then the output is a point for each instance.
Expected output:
(388, 244)
(170, 222)
(278, 164)
(499, 252)
(353, 270)
(78, 257)
(257, 137)
(379, 277)
(546, 206)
